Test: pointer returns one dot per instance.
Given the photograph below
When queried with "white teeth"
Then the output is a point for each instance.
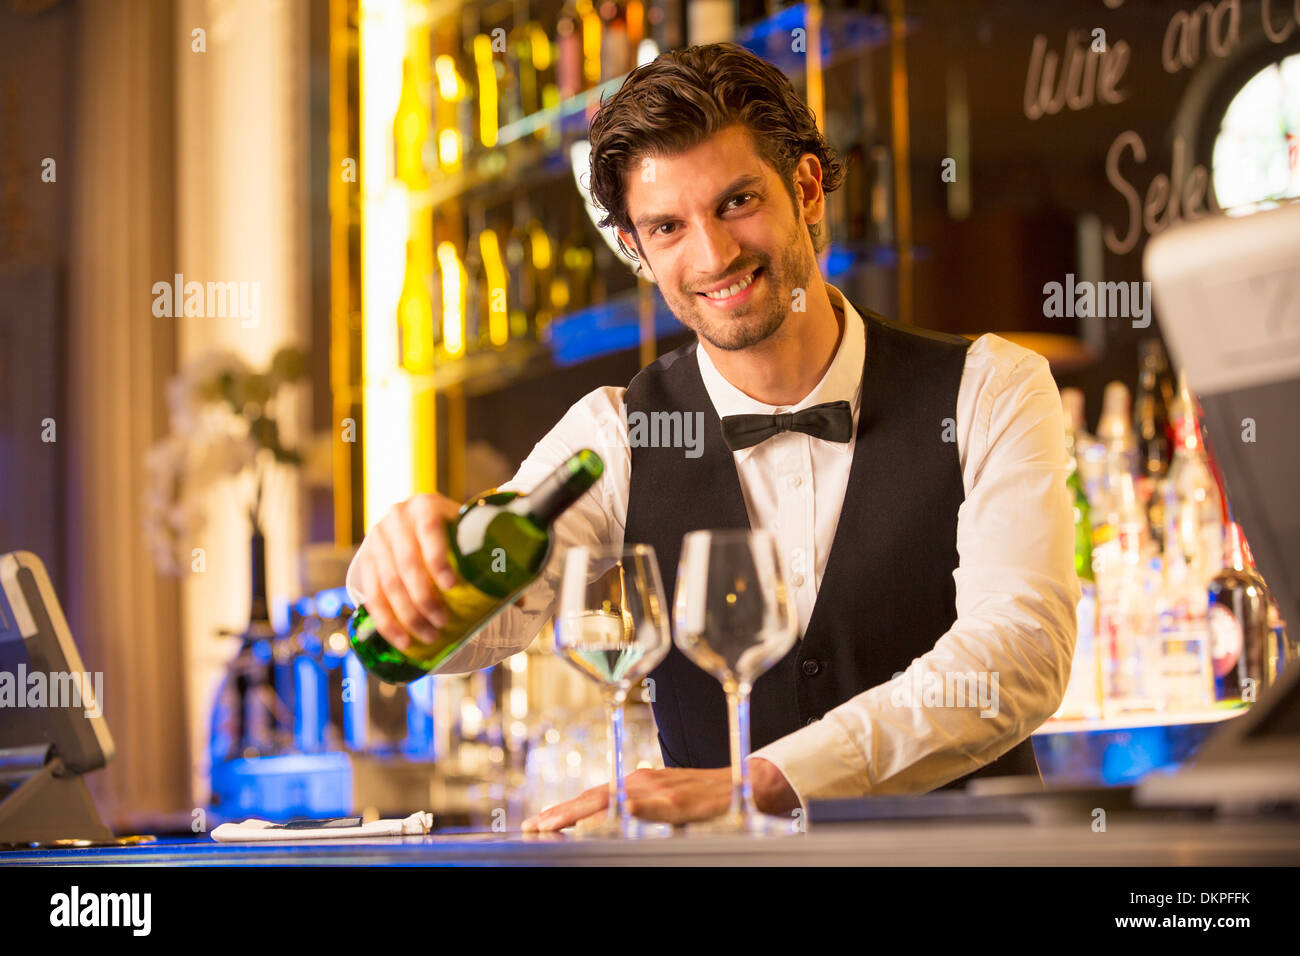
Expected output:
(728, 293)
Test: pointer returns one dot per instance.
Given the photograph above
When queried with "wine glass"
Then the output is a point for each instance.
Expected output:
(734, 620)
(611, 623)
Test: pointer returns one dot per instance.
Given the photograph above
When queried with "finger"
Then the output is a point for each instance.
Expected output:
(571, 811)
(390, 581)
(380, 611)
(427, 515)
(679, 798)
(405, 552)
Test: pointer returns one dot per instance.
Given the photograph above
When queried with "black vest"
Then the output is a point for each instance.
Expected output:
(887, 594)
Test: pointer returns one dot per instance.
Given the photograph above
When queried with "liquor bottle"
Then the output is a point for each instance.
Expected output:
(477, 293)
(542, 258)
(497, 545)
(1115, 431)
(1083, 695)
(1151, 410)
(544, 57)
(1130, 656)
(454, 299)
(467, 114)
(710, 21)
(615, 46)
(528, 89)
(1238, 619)
(495, 310)
(1088, 453)
(568, 68)
(1193, 492)
(1151, 426)
(512, 63)
(410, 131)
(477, 296)
(665, 31)
(592, 41)
(1193, 555)
(416, 328)
(455, 109)
(604, 266)
(881, 161)
(634, 14)
(1282, 651)
(575, 264)
(489, 91)
(519, 273)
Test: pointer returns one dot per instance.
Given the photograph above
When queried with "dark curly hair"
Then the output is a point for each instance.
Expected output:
(683, 97)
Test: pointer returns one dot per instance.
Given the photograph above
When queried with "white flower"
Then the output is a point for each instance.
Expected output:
(209, 444)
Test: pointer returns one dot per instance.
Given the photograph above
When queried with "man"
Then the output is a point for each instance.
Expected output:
(921, 505)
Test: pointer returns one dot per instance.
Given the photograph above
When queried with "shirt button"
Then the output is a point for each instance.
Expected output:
(797, 580)
(810, 721)
(811, 667)
(795, 481)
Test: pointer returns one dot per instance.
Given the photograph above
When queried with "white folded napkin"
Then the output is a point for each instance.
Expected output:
(253, 831)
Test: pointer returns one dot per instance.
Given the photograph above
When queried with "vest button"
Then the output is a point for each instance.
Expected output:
(811, 667)
(810, 721)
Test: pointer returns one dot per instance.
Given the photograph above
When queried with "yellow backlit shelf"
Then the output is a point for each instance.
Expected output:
(481, 372)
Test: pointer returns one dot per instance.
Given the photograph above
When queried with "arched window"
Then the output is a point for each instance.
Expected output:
(1255, 159)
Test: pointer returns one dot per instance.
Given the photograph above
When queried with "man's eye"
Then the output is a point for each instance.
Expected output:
(740, 197)
(657, 228)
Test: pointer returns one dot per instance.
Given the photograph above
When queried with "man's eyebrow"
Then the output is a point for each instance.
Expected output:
(649, 221)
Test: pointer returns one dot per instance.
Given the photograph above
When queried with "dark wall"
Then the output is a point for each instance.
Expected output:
(1032, 179)
(35, 125)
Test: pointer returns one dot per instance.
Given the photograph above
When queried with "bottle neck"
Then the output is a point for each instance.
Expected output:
(1236, 551)
(1187, 434)
(563, 487)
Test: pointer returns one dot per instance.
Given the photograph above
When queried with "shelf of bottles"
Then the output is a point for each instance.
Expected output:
(1175, 618)
(479, 257)
(465, 256)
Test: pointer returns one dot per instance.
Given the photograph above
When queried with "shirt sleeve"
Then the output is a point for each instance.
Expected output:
(597, 422)
(1016, 593)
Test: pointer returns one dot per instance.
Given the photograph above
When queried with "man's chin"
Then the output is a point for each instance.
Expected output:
(734, 337)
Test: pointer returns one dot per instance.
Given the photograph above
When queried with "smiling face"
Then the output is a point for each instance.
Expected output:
(715, 217)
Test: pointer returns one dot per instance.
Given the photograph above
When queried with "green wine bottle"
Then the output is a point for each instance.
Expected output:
(497, 545)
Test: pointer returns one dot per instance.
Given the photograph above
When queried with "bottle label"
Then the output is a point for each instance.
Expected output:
(1225, 639)
(467, 607)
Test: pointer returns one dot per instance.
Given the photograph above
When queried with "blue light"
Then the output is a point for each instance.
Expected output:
(615, 325)
(280, 615)
(330, 603)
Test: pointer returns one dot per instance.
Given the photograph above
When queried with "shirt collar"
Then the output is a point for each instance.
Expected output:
(842, 381)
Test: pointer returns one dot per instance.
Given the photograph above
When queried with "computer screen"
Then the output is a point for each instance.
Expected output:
(1227, 294)
(47, 697)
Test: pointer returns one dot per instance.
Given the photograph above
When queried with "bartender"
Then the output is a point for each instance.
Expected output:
(913, 480)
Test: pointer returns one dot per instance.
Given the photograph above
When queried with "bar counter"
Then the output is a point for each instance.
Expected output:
(1129, 840)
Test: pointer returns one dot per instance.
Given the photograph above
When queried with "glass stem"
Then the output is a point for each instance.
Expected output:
(742, 796)
(617, 794)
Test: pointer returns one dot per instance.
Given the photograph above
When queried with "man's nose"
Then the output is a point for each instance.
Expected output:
(715, 249)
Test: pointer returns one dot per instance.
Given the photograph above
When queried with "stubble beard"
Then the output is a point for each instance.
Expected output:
(759, 319)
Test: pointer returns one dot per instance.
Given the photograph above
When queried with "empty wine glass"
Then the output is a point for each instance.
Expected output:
(611, 623)
(734, 620)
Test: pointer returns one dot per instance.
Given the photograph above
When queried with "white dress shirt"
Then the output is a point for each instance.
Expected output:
(1016, 588)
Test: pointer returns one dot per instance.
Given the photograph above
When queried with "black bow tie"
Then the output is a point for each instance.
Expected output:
(832, 421)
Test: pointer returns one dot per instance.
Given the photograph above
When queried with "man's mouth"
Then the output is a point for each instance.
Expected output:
(737, 291)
